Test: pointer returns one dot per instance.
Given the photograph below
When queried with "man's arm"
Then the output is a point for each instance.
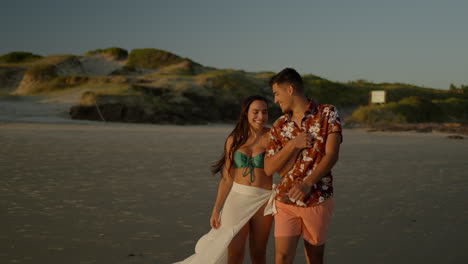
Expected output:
(332, 149)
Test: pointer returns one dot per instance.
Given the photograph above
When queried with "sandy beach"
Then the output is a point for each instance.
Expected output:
(91, 192)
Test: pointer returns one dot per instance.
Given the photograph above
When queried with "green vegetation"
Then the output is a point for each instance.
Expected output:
(230, 83)
(215, 95)
(166, 87)
(54, 60)
(338, 94)
(152, 58)
(414, 110)
(462, 90)
(185, 67)
(19, 57)
(114, 52)
(453, 109)
(412, 104)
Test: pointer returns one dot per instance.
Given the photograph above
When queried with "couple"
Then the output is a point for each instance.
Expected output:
(302, 146)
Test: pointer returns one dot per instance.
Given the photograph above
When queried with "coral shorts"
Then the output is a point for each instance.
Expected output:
(310, 222)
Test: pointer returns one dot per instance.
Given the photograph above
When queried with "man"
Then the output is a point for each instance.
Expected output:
(304, 146)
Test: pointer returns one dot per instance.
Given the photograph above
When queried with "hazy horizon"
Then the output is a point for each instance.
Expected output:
(415, 41)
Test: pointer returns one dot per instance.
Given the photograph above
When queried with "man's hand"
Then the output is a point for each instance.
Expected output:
(299, 191)
(303, 140)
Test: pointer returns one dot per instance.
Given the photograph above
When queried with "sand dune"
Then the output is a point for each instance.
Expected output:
(100, 65)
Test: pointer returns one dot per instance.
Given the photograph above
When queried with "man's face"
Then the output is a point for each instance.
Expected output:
(283, 96)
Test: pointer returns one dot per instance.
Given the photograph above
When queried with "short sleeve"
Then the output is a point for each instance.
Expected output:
(334, 122)
(274, 143)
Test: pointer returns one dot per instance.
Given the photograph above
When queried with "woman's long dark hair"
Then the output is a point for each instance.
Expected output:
(240, 134)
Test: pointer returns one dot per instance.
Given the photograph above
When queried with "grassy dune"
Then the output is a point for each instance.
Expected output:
(175, 88)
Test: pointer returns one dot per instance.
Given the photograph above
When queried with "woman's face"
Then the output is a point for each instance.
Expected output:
(257, 115)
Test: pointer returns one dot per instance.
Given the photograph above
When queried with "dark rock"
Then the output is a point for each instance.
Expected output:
(112, 112)
(455, 137)
(424, 129)
(81, 112)
(133, 114)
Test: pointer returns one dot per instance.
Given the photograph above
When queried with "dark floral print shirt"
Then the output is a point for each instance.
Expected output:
(319, 120)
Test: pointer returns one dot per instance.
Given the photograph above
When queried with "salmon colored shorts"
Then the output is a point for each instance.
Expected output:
(310, 222)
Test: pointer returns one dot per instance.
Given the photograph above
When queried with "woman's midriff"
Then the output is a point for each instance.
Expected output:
(260, 181)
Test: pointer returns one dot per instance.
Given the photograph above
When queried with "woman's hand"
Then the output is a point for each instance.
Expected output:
(215, 222)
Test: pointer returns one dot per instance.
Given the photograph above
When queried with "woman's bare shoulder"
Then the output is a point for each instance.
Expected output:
(266, 135)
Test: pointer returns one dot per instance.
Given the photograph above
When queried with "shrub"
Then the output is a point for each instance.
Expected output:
(186, 67)
(414, 109)
(88, 98)
(372, 114)
(19, 57)
(453, 109)
(152, 58)
(114, 52)
(328, 92)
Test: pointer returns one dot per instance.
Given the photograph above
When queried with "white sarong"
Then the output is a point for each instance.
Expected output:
(241, 204)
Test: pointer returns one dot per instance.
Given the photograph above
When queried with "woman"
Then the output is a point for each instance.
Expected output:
(245, 190)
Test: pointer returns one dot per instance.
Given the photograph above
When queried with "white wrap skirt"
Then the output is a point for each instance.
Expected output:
(241, 204)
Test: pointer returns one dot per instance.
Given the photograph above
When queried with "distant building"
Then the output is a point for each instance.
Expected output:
(377, 97)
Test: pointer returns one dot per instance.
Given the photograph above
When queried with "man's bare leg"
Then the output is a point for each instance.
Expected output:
(314, 254)
(285, 249)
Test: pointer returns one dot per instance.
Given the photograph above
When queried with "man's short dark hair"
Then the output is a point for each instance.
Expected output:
(290, 76)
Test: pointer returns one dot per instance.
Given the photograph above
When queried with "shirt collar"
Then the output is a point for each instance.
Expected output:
(311, 109)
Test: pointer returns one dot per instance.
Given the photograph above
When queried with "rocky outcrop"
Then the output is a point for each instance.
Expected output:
(423, 128)
(119, 112)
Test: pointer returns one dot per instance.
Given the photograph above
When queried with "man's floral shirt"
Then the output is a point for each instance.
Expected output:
(319, 120)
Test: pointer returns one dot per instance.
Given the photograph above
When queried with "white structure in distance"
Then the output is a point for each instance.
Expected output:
(377, 97)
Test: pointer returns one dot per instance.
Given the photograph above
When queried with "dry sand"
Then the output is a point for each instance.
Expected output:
(90, 192)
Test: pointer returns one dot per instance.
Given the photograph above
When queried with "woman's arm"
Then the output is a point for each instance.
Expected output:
(284, 159)
(224, 186)
(288, 165)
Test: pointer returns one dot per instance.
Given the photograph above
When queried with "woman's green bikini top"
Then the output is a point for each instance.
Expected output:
(249, 163)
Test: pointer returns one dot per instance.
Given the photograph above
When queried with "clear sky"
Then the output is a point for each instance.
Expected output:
(422, 42)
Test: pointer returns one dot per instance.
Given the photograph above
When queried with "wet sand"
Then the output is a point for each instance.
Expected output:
(124, 193)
